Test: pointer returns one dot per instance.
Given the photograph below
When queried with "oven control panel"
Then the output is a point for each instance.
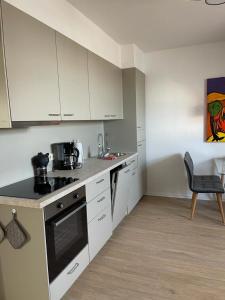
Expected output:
(65, 202)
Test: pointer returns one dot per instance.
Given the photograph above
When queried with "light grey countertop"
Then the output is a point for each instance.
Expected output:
(92, 168)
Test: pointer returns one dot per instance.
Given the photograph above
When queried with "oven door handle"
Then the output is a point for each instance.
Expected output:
(56, 224)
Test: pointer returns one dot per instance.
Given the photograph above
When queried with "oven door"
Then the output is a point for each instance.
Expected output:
(66, 236)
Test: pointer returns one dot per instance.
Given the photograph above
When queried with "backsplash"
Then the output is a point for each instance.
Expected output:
(18, 146)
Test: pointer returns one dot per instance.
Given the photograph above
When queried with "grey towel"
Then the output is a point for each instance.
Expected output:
(2, 234)
(15, 234)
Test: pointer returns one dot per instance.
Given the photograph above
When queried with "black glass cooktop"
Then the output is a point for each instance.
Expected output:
(35, 187)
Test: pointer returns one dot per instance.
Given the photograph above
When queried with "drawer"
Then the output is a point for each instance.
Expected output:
(140, 134)
(99, 231)
(66, 279)
(95, 206)
(97, 186)
(132, 163)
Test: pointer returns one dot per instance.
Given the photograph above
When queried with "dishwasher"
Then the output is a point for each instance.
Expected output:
(120, 177)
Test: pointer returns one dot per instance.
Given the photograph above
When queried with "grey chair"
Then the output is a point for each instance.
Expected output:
(203, 184)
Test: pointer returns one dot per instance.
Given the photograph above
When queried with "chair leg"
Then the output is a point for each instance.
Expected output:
(220, 204)
(194, 200)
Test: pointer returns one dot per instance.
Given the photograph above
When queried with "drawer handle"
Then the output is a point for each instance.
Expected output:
(127, 171)
(100, 181)
(68, 115)
(139, 145)
(139, 127)
(53, 115)
(102, 217)
(100, 200)
(73, 269)
(113, 116)
(133, 161)
(107, 116)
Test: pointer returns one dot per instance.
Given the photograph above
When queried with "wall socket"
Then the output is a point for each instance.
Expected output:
(50, 156)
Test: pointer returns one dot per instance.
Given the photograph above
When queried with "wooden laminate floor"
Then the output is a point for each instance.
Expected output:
(157, 253)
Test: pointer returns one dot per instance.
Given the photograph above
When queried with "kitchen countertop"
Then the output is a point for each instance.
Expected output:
(92, 168)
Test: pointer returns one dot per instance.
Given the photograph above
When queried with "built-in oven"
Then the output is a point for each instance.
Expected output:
(66, 230)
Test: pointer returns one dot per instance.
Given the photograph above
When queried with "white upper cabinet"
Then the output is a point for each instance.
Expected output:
(5, 120)
(140, 100)
(31, 63)
(105, 85)
(73, 79)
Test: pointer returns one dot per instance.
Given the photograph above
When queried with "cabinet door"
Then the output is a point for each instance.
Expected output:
(73, 79)
(140, 99)
(134, 191)
(121, 196)
(99, 231)
(31, 63)
(105, 84)
(5, 121)
(141, 169)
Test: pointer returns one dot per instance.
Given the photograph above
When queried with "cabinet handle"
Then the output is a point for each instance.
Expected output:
(102, 217)
(100, 200)
(100, 181)
(139, 145)
(133, 173)
(73, 269)
(127, 171)
(139, 127)
(53, 115)
(113, 116)
(68, 115)
(107, 116)
(133, 161)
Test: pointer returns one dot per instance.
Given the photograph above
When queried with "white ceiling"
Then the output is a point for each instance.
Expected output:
(156, 24)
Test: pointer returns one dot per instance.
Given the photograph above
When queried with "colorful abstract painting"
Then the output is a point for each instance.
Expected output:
(215, 131)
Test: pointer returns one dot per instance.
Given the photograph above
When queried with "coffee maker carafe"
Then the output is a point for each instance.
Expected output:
(65, 156)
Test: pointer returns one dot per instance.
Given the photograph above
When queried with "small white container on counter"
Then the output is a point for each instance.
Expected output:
(79, 146)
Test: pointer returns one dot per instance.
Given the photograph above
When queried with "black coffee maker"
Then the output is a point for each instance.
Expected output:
(40, 163)
(65, 156)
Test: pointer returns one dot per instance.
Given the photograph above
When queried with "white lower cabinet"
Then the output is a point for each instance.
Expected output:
(97, 186)
(98, 204)
(133, 192)
(66, 279)
(99, 231)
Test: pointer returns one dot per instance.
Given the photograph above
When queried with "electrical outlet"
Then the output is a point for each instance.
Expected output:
(51, 156)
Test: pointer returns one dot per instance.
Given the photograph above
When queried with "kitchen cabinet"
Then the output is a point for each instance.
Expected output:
(98, 204)
(5, 121)
(141, 169)
(105, 84)
(99, 231)
(134, 190)
(73, 79)
(69, 275)
(97, 186)
(140, 102)
(31, 63)
(99, 213)
(129, 134)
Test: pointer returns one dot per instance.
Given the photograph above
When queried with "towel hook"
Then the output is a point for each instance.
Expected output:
(14, 212)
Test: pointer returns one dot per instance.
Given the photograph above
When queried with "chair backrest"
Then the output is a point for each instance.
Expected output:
(189, 167)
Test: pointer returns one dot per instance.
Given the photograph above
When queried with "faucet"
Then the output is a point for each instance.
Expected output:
(100, 145)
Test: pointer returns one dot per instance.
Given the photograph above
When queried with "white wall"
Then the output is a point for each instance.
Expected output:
(176, 104)
(18, 146)
(65, 18)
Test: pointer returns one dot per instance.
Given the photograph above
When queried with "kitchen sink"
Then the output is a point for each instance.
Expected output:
(118, 154)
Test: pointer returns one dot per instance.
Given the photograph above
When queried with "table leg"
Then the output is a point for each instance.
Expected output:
(222, 179)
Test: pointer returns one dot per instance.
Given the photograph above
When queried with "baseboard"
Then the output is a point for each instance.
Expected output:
(181, 196)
